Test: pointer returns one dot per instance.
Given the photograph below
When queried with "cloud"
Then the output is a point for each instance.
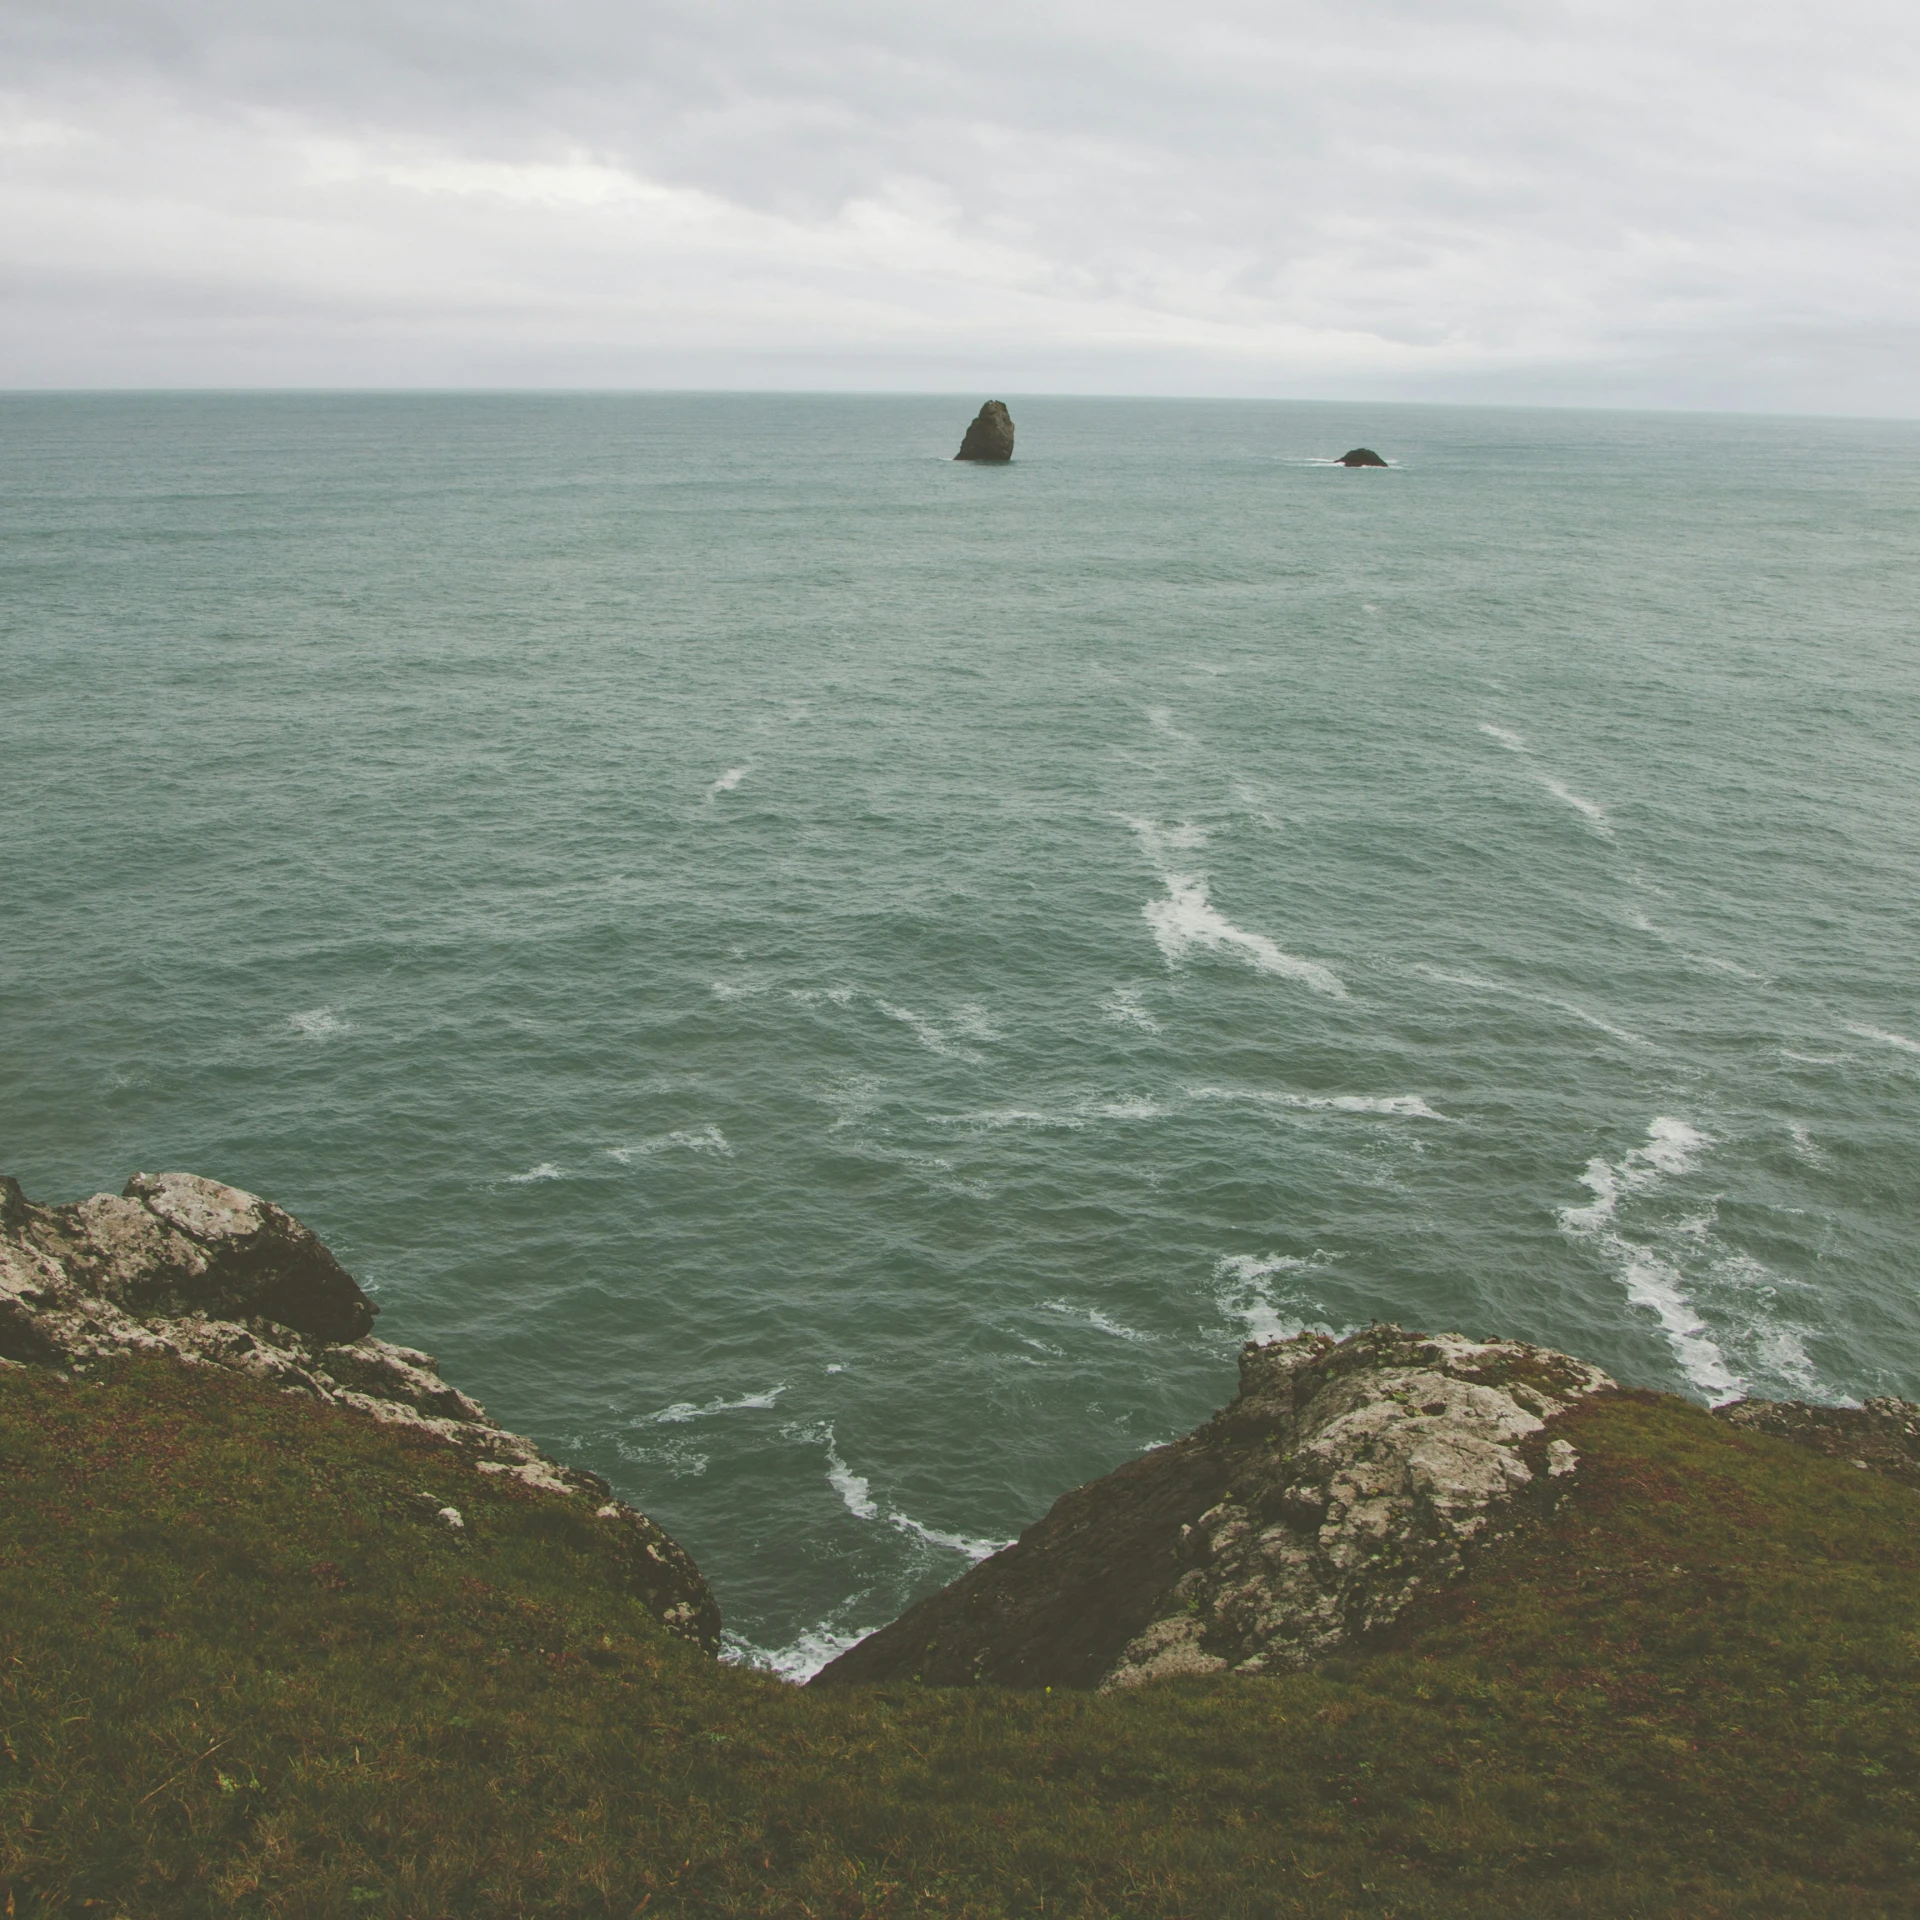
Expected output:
(1705, 205)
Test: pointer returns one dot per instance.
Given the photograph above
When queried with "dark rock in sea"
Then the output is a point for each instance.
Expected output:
(1344, 1477)
(990, 437)
(1361, 457)
(183, 1266)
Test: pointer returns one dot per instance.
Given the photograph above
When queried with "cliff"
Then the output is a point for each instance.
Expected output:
(183, 1267)
(1436, 1627)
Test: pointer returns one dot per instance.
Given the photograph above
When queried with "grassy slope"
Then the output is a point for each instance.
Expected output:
(243, 1669)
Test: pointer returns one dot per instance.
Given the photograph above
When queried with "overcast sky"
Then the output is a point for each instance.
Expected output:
(1618, 202)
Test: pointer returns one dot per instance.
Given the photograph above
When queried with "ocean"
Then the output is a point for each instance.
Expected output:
(836, 988)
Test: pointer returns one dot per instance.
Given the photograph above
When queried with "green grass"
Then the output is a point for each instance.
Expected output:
(243, 1669)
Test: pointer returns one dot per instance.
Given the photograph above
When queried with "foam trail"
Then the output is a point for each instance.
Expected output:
(1590, 810)
(728, 781)
(1404, 1106)
(318, 1023)
(684, 1410)
(1885, 1038)
(1507, 738)
(924, 1031)
(1651, 1282)
(974, 1550)
(1672, 1148)
(707, 1139)
(856, 1494)
(1124, 1007)
(546, 1170)
(802, 1657)
(1095, 1318)
(1245, 1294)
(1593, 1020)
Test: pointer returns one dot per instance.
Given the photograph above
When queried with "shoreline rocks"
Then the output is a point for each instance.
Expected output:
(990, 435)
(1343, 1477)
(182, 1266)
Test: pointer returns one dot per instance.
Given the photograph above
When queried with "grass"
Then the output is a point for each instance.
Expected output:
(245, 1669)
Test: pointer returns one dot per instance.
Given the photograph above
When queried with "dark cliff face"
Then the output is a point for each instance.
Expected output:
(183, 1266)
(1343, 1477)
(990, 436)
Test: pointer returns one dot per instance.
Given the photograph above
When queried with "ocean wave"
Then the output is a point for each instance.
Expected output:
(926, 1031)
(1505, 735)
(1403, 1106)
(546, 1170)
(1568, 1007)
(319, 1023)
(684, 1410)
(997, 1118)
(1590, 811)
(1244, 1293)
(1123, 1006)
(707, 1139)
(802, 1657)
(1882, 1037)
(1673, 1147)
(1187, 918)
(1097, 1320)
(728, 781)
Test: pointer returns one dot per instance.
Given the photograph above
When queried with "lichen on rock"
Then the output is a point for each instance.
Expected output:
(182, 1266)
(1343, 1477)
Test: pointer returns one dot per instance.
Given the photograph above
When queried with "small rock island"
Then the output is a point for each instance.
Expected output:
(1361, 457)
(990, 436)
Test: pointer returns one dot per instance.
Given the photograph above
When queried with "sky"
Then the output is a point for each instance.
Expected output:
(1658, 203)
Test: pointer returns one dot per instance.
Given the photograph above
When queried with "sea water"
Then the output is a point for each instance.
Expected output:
(836, 988)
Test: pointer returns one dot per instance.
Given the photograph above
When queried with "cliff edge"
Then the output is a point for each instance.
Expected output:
(183, 1266)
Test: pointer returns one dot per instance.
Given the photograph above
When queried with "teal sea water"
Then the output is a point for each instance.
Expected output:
(836, 987)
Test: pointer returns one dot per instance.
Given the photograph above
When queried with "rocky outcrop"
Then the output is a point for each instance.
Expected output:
(183, 1266)
(1881, 1435)
(1343, 1478)
(990, 437)
(1361, 457)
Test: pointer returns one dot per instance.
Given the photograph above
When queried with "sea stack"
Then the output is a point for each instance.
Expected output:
(990, 437)
(1361, 457)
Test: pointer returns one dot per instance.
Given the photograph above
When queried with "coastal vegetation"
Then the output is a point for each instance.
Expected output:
(263, 1655)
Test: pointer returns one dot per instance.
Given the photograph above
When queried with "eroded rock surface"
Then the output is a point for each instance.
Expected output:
(184, 1266)
(1880, 1435)
(990, 436)
(1343, 1477)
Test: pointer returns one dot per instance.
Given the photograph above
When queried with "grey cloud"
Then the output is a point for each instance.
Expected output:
(1643, 200)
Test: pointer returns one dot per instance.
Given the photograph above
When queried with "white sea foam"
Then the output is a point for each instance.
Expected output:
(856, 1493)
(728, 781)
(1507, 738)
(1591, 811)
(1245, 1293)
(1187, 917)
(1161, 720)
(707, 1139)
(1886, 1039)
(1807, 1147)
(1404, 1106)
(1123, 1005)
(801, 1658)
(1579, 1013)
(961, 1543)
(1672, 1149)
(546, 1170)
(926, 1031)
(1129, 1110)
(1095, 1318)
(684, 1410)
(319, 1023)
(999, 1117)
